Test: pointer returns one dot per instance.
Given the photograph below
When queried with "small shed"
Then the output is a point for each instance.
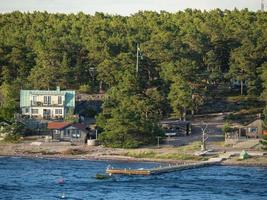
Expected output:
(176, 127)
(66, 131)
(254, 128)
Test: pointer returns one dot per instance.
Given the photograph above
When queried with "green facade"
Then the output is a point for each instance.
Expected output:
(26, 102)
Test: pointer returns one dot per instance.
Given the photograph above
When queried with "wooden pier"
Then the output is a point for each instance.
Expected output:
(160, 170)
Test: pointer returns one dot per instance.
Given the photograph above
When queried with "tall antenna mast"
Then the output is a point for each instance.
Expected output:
(262, 5)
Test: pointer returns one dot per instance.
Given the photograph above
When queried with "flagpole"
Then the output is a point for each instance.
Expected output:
(137, 59)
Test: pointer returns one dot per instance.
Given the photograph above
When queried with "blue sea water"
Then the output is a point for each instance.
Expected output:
(38, 179)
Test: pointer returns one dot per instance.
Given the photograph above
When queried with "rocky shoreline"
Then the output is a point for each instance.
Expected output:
(98, 153)
(251, 162)
(96, 158)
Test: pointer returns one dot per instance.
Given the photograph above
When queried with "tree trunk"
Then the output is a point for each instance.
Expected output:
(184, 114)
(241, 87)
(100, 86)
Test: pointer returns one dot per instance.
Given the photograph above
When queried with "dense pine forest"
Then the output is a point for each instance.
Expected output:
(185, 58)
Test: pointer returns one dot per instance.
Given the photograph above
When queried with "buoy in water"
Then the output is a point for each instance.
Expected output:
(63, 196)
(61, 181)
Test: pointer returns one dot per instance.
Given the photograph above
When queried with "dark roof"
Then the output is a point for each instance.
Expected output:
(80, 126)
(63, 125)
(175, 122)
(58, 125)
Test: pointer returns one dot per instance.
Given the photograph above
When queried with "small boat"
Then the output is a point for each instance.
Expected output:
(102, 176)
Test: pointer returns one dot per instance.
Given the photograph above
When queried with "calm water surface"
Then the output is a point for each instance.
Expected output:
(37, 179)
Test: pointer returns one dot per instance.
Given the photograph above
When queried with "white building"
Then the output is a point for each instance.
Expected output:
(46, 104)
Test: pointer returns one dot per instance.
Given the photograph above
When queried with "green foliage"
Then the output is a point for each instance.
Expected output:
(264, 93)
(265, 118)
(130, 117)
(227, 128)
(13, 132)
(8, 100)
(70, 117)
(45, 50)
(88, 112)
(86, 89)
(263, 142)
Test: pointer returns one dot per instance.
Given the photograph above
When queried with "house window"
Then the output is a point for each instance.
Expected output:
(252, 129)
(34, 99)
(47, 100)
(67, 133)
(59, 99)
(56, 131)
(58, 111)
(34, 111)
(26, 110)
(76, 134)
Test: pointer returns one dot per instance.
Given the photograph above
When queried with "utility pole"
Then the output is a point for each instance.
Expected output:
(262, 5)
(158, 137)
(137, 59)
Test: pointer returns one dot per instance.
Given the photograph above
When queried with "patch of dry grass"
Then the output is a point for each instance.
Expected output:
(194, 146)
(179, 153)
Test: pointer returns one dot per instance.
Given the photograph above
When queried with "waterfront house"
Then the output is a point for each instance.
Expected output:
(66, 131)
(46, 104)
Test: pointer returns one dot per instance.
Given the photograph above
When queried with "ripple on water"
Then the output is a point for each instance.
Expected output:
(22, 178)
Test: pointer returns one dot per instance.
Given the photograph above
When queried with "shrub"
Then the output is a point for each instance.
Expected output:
(226, 128)
(13, 132)
(13, 138)
(263, 142)
(119, 140)
(86, 89)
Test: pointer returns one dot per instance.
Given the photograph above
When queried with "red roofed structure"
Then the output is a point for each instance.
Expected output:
(67, 131)
(58, 125)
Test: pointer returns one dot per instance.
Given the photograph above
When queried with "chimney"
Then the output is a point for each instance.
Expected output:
(58, 89)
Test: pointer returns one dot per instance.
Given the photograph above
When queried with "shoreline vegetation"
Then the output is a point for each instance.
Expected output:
(137, 155)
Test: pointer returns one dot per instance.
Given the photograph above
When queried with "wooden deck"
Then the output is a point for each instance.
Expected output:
(160, 170)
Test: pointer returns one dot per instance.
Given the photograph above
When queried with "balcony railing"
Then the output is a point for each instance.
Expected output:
(42, 104)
